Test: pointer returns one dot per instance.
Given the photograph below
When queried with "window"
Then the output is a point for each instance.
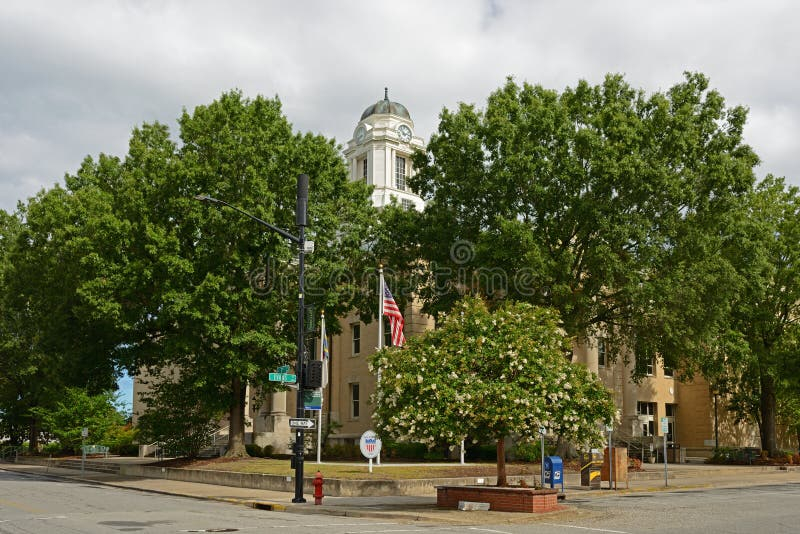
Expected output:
(646, 412)
(601, 352)
(356, 331)
(407, 204)
(669, 372)
(646, 366)
(354, 400)
(400, 173)
(365, 170)
(387, 333)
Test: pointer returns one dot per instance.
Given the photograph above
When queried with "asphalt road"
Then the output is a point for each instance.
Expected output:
(37, 504)
(34, 504)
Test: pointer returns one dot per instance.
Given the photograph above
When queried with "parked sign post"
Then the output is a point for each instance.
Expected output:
(370, 446)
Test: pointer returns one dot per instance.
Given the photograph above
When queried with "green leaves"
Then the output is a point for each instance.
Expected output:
(485, 375)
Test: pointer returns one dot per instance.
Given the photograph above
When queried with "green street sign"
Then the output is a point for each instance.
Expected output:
(282, 377)
(283, 369)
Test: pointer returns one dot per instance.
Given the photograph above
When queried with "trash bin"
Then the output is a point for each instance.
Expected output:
(591, 463)
(554, 471)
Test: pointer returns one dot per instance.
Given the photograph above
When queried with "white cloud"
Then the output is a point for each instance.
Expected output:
(78, 76)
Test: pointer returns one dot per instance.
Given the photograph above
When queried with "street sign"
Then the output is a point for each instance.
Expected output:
(312, 399)
(370, 444)
(283, 369)
(302, 423)
(282, 377)
(664, 426)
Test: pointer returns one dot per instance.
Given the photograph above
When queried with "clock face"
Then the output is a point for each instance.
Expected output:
(404, 132)
(360, 134)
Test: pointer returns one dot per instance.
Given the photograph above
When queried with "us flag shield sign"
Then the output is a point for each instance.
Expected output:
(370, 444)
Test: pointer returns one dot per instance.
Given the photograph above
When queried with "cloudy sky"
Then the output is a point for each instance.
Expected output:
(77, 76)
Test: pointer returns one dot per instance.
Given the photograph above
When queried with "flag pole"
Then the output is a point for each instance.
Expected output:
(380, 312)
(322, 340)
(380, 329)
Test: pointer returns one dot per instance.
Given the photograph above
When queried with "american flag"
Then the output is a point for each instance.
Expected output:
(391, 311)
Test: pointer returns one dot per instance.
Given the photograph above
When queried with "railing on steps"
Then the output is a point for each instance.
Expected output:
(218, 442)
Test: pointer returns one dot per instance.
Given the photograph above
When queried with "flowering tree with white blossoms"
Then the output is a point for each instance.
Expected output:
(485, 375)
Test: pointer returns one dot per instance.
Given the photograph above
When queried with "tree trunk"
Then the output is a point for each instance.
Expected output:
(236, 448)
(768, 432)
(501, 463)
(33, 436)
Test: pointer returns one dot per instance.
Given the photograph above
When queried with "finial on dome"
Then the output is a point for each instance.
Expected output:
(386, 93)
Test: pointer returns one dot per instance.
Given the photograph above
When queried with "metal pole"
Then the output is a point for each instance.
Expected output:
(541, 433)
(665, 461)
(300, 214)
(610, 461)
(319, 426)
(716, 424)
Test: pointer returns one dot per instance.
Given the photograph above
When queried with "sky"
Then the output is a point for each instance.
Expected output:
(76, 77)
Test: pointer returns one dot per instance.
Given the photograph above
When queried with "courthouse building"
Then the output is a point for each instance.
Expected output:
(379, 154)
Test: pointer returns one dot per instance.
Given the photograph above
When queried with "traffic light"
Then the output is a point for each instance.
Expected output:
(312, 378)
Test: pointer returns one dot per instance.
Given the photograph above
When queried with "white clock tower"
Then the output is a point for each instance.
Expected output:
(380, 152)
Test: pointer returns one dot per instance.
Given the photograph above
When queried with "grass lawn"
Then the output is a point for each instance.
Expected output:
(385, 471)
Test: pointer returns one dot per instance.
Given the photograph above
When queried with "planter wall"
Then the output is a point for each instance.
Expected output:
(505, 499)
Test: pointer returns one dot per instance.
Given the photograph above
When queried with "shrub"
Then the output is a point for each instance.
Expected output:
(348, 451)
(267, 451)
(528, 452)
(254, 450)
(128, 449)
(482, 453)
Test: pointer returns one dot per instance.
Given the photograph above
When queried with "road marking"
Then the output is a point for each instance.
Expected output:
(587, 528)
(489, 530)
(20, 506)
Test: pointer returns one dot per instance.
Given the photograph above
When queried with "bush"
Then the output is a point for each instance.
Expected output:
(528, 452)
(405, 451)
(267, 451)
(482, 453)
(254, 450)
(128, 449)
(348, 451)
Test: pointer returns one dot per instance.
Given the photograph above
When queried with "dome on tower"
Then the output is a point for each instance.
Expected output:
(385, 106)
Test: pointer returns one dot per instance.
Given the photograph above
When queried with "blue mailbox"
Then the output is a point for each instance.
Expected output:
(554, 471)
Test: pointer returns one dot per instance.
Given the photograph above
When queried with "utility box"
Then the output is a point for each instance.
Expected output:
(554, 471)
(591, 463)
(620, 463)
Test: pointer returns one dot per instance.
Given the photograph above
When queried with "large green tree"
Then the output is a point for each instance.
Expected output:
(486, 375)
(763, 375)
(49, 340)
(609, 204)
(581, 200)
(205, 289)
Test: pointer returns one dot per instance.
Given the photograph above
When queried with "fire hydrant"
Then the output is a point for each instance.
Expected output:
(318, 482)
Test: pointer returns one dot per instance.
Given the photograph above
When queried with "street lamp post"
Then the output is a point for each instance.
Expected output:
(300, 240)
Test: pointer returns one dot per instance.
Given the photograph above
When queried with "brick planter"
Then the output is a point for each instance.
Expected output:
(500, 499)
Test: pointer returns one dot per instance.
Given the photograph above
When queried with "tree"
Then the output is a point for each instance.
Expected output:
(177, 415)
(193, 287)
(766, 315)
(49, 340)
(78, 410)
(589, 201)
(486, 375)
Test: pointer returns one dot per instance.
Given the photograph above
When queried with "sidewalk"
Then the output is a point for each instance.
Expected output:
(423, 508)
